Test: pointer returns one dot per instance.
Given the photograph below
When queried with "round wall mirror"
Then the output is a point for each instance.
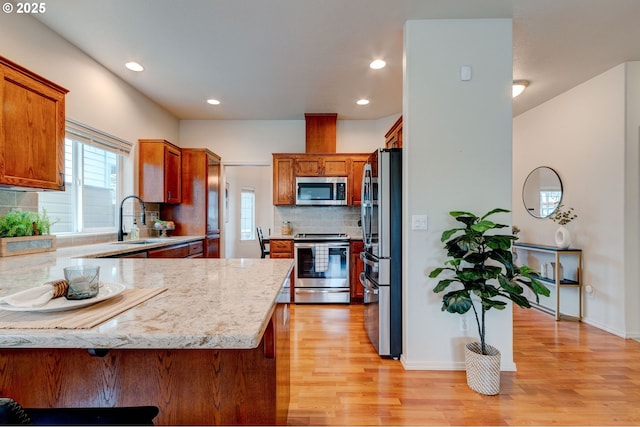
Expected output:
(542, 192)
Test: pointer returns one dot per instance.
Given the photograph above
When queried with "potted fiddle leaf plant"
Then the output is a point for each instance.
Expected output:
(25, 232)
(481, 275)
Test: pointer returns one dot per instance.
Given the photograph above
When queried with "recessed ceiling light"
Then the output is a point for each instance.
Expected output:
(519, 86)
(362, 101)
(213, 101)
(134, 66)
(377, 64)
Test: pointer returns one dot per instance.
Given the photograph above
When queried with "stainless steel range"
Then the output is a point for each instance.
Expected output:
(322, 268)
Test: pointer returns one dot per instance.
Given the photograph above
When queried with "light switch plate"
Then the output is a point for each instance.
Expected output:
(465, 73)
(419, 222)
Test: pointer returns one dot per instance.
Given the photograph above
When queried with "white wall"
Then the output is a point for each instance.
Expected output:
(457, 156)
(632, 201)
(253, 141)
(96, 96)
(591, 140)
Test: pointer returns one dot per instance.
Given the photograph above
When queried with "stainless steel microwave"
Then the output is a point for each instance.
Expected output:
(321, 191)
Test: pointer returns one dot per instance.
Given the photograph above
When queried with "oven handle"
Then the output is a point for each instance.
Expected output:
(321, 291)
(313, 245)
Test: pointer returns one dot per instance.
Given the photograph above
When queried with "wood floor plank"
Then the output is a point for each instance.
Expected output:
(569, 373)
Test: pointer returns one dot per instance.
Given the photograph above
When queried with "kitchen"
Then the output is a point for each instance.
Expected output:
(131, 115)
(171, 188)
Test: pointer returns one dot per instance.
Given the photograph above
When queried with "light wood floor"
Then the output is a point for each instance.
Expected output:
(568, 373)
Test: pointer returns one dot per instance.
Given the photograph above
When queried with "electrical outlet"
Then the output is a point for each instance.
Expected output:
(464, 323)
(153, 216)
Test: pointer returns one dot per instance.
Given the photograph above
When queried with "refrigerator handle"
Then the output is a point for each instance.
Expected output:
(366, 202)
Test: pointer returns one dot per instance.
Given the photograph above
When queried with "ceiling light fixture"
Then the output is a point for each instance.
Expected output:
(213, 101)
(134, 66)
(519, 87)
(362, 101)
(377, 64)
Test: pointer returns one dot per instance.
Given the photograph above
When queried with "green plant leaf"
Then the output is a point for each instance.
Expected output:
(510, 286)
(520, 300)
(457, 302)
(435, 272)
(488, 304)
(448, 233)
(443, 284)
(499, 242)
(494, 211)
(483, 226)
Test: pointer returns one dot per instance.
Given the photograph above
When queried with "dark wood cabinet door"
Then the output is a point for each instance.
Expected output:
(355, 181)
(357, 266)
(159, 171)
(172, 175)
(212, 247)
(32, 129)
(283, 181)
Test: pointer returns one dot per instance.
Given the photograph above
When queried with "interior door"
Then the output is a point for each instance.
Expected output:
(255, 177)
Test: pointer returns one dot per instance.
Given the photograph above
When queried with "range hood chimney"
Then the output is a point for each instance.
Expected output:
(321, 132)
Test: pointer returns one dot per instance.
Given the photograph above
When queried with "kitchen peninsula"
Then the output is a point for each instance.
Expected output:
(211, 349)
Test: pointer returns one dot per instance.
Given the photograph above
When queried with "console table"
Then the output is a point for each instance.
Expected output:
(574, 258)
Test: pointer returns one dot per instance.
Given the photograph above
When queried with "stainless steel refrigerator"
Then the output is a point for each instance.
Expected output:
(382, 257)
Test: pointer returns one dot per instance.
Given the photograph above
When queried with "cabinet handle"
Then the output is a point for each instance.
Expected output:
(61, 186)
(169, 195)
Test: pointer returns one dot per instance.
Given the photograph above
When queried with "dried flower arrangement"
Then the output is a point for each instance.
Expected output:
(563, 217)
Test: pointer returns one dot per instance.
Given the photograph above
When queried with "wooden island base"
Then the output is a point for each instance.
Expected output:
(190, 387)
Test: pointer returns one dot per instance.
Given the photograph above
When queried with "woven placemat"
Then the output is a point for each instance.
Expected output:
(82, 318)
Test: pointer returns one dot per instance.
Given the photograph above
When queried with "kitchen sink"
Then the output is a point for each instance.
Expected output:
(139, 242)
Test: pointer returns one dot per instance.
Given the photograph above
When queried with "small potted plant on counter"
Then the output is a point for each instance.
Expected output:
(481, 275)
(25, 232)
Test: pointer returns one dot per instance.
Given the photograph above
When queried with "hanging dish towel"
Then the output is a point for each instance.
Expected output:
(321, 257)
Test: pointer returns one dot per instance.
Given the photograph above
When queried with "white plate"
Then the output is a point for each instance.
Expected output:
(107, 290)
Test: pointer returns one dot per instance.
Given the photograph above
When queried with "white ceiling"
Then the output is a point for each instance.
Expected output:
(277, 59)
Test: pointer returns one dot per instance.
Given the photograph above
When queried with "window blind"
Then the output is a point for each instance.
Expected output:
(97, 138)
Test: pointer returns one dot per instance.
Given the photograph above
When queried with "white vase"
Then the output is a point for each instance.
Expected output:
(563, 237)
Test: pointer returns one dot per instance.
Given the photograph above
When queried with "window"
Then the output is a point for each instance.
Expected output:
(93, 165)
(549, 200)
(247, 214)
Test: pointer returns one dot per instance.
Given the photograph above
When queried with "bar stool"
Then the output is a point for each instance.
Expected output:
(264, 251)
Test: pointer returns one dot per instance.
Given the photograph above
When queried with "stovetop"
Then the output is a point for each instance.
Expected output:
(321, 236)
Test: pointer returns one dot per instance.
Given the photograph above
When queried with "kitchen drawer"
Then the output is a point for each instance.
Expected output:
(281, 248)
(134, 255)
(196, 248)
(178, 251)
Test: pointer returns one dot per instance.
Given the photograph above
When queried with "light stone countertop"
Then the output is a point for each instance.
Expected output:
(210, 303)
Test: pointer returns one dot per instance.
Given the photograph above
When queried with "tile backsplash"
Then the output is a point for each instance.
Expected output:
(319, 219)
(22, 200)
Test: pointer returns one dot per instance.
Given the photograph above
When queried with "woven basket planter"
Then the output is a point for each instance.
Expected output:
(483, 371)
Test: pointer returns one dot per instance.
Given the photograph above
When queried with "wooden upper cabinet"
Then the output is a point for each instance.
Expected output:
(159, 171)
(198, 212)
(309, 166)
(288, 166)
(336, 165)
(393, 138)
(32, 129)
(283, 180)
(320, 132)
(355, 182)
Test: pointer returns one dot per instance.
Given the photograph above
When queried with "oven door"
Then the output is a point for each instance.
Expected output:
(322, 272)
(322, 265)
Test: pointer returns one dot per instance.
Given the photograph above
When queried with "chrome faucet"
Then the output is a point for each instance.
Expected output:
(121, 232)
